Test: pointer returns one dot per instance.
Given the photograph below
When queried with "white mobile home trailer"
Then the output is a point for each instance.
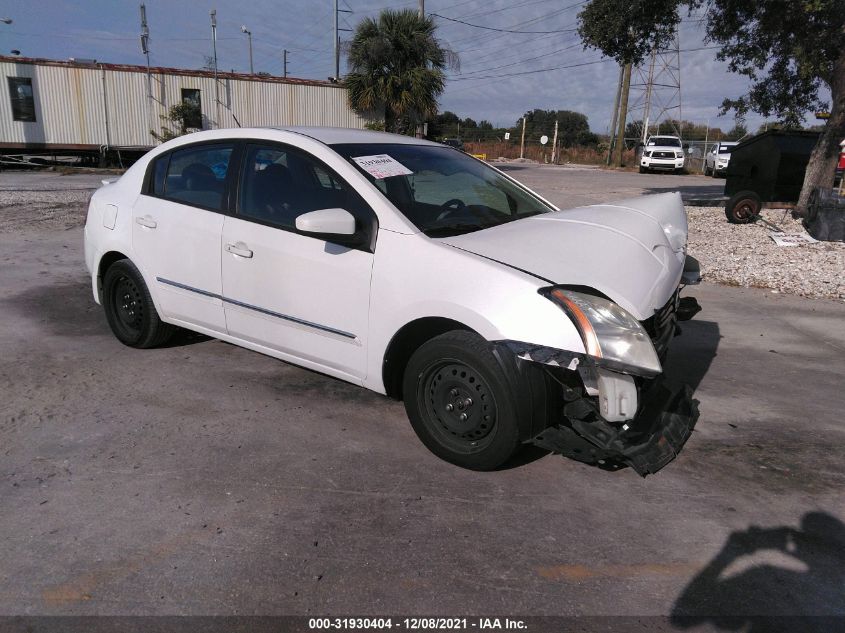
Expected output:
(81, 106)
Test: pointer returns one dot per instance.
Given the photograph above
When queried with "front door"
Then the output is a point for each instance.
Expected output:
(301, 296)
(176, 230)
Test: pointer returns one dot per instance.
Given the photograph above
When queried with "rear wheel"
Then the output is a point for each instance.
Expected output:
(744, 207)
(461, 403)
(129, 307)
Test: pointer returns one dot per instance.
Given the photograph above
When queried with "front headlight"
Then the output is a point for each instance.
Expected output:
(647, 154)
(679, 154)
(612, 336)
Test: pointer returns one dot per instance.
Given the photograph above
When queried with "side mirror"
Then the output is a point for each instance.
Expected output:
(332, 225)
(326, 221)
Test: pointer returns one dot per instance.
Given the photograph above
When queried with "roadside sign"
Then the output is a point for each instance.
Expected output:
(507, 136)
(544, 139)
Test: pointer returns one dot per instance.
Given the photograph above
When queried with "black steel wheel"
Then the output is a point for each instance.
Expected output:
(460, 401)
(129, 308)
(743, 207)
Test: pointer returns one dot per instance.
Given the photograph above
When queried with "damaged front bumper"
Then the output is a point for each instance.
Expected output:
(647, 443)
(607, 418)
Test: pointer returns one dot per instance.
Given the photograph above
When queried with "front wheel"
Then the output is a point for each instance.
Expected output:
(643, 170)
(129, 307)
(460, 401)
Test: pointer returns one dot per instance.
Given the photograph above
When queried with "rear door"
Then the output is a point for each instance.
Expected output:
(176, 230)
(299, 295)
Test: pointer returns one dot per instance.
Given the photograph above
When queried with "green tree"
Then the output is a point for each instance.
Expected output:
(573, 127)
(788, 49)
(179, 115)
(397, 65)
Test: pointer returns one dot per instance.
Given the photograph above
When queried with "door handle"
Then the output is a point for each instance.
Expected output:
(146, 221)
(239, 249)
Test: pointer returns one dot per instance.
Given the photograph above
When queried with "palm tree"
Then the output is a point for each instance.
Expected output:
(397, 64)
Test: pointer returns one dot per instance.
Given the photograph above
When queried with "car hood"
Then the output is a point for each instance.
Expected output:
(632, 251)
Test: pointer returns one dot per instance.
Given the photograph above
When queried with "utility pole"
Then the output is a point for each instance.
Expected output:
(285, 63)
(214, 48)
(337, 31)
(623, 111)
(421, 126)
(554, 144)
(522, 142)
(612, 142)
(145, 48)
(336, 45)
(249, 36)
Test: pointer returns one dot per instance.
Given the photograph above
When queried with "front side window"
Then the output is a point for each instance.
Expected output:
(195, 175)
(278, 184)
(23, 101)
(442, 191)
(191, 98)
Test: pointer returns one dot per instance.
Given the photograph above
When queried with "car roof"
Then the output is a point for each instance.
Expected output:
(343, 135)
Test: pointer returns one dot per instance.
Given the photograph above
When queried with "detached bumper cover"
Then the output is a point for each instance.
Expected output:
(647, 443)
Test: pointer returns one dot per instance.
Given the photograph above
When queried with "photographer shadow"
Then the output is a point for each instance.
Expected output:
(808, 595)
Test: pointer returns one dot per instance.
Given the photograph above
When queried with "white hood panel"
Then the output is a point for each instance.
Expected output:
(633, 250)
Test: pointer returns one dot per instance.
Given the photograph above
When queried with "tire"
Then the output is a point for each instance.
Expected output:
(743, 207)
(129, 307)
(708, 171)
(643, 170)
(456, 375)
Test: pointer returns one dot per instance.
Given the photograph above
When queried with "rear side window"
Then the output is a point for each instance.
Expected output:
(194, 175)
(159, 174)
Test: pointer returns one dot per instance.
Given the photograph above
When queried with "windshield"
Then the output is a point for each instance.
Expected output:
(725, 149)
(664, 141)
(442, 191)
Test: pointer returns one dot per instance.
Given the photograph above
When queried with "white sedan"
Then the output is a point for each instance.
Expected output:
(414, 270)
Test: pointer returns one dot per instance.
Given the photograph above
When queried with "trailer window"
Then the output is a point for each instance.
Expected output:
(23, 102)
(191, 98)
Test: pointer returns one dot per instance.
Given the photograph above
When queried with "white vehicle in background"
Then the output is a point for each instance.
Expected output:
(662, 153)
(717, 159)
(413, 270)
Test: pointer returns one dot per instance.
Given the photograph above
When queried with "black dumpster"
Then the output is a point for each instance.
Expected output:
(771, 164)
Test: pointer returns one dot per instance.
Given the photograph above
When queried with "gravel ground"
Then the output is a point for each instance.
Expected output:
(737, 255)
(745, 255)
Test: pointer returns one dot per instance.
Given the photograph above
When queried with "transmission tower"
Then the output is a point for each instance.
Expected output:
(656, 90)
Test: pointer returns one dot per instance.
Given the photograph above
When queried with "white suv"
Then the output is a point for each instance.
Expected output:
(414, 270)
(717, 159)
(664, 153)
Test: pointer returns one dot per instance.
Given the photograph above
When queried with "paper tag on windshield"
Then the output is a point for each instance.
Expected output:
(381, 166)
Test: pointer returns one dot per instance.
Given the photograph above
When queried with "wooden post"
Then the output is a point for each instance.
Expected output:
(522, 142)
(623, 111)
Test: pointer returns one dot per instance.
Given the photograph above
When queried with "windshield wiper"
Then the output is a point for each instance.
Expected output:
(442, 230)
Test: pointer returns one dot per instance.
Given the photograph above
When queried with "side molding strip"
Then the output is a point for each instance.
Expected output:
(286, 317)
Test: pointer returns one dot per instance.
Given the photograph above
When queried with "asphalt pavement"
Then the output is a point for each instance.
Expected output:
(203, 478)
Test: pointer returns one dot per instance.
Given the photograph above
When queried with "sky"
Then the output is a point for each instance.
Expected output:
(501, 76)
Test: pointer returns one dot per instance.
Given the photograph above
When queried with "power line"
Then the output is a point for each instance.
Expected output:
(531, 72)
(490, 28)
